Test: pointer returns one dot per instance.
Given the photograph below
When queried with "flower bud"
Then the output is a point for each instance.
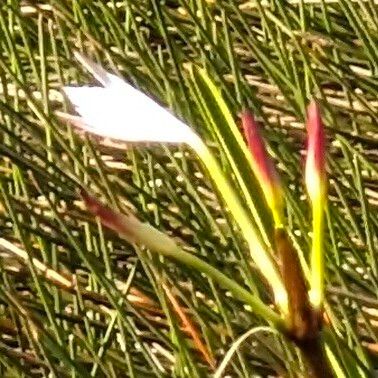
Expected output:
(316, 185)
(129, 227)
(263, 167)
(315, 161)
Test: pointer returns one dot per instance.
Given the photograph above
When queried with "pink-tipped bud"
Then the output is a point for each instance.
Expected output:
(129, 227)
(315, 161)
(126, 225)
(263, 167)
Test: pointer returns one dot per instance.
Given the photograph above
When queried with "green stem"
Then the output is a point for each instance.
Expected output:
(317, 258)
(258, 250)
(258, 307)
(136, 232)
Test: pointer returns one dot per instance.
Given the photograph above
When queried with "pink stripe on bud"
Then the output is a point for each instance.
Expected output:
(315, 160)
(262, 165)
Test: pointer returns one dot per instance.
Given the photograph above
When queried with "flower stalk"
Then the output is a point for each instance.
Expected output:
(132, 230)
(258, 250)
(302, 320)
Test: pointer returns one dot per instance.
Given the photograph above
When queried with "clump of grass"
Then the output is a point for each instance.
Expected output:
(75, 298)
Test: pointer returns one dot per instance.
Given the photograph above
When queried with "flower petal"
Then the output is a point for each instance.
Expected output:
(104, 77)
(120, 111)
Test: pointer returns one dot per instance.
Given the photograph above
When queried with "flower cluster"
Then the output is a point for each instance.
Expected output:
(316, 185)
(119, 111)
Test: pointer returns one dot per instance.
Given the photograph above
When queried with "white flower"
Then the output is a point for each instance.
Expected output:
(119, 111)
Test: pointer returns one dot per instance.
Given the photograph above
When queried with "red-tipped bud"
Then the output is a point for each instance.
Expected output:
(315, 161)
(263, 167)
(316, 183)
(120, 223)
(129, 227)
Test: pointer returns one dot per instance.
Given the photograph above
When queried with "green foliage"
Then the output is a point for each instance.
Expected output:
(81, 302)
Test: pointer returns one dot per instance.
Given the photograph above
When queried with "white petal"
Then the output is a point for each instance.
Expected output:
(104, 77)
(133, 118)
(120, 111)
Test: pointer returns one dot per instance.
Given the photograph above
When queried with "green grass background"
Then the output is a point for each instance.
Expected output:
(270, 56)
